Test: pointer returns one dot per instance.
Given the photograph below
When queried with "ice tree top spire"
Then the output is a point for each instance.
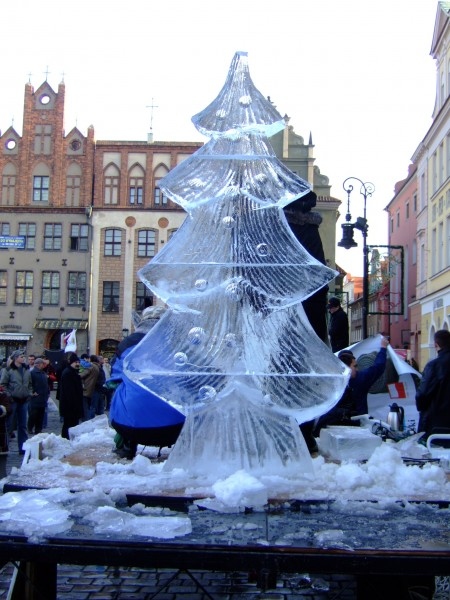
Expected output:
(238, 161)
(239, 108)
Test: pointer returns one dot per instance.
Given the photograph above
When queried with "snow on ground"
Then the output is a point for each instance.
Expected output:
(101, 487)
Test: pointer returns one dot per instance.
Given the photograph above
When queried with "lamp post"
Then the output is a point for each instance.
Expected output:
(347, 242)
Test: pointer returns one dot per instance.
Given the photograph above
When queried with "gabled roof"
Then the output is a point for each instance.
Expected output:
(10, 132)
(442, 15)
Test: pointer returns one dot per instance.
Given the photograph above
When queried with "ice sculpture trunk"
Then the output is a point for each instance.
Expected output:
(236, 352)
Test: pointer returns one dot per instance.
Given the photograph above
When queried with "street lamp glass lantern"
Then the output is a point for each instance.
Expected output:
(347, 241)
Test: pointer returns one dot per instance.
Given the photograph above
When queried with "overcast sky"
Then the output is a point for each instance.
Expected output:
(358, 75)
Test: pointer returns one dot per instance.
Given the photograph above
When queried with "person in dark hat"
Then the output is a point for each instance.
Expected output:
(71, 395)
(304, 224)
(17, 381)
(338, 328)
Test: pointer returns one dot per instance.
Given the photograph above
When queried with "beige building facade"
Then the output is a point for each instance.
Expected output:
(432, 158)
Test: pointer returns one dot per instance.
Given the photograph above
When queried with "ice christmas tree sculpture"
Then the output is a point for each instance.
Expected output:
(235, 352)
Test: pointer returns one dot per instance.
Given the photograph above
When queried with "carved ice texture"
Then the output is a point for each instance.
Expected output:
(235, 351)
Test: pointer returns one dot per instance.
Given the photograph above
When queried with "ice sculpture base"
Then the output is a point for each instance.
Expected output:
(348, 443)
(239, 434)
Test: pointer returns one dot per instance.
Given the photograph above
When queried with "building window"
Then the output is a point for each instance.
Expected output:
(414, 252)
(160, 199)
(111, 291)
(144, 296)
(434, 249)
(50, 288)
(136, 190)
(24, 287)
(52, 236)
(40, 188)
(79, 237)
(415, 203)
(146, 243)
(423, 196)
(398, 219)
(113, 242)
(422, 263)
(111, 185)
(407, 210)
(392, 225)
(171, 233)
(29, 231)
(435, 172)
(448, 145)
(448, 242)
(3, 286)
(77, 288)
(4, 229)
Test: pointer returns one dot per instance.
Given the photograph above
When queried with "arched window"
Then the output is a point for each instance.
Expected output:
(136, 186)
(111, 182)
(159, 199)
(73, 185)
(433, 352)
(8, 185)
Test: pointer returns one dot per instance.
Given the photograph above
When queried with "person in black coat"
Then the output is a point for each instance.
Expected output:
(70, 395)
(339, 337)
(304, 224)
(433, 393)
(38, 400)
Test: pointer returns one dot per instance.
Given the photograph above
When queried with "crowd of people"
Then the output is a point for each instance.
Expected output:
(25, 386)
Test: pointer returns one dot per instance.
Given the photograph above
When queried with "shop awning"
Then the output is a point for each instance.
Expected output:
(15, 337)
(61, 324)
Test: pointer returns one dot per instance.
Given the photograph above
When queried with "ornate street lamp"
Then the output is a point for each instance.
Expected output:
(348, 242)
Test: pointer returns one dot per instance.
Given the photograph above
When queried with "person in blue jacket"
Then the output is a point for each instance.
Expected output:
(354, 399)
(138, 415)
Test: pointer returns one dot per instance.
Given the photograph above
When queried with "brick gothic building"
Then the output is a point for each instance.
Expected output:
(79, 217)
(82, 211)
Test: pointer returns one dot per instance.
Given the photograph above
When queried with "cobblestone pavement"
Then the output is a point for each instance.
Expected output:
(124, 583)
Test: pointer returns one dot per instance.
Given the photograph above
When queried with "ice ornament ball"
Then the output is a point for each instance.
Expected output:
(235, 352)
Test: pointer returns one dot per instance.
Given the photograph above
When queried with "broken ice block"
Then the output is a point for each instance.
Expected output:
(348, 443)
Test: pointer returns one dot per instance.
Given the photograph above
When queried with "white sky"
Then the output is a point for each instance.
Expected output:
(358, 75)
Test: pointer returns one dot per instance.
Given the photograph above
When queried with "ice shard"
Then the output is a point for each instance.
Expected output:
(235, 351)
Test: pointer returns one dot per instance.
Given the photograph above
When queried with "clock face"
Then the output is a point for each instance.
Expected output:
(75, 145)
